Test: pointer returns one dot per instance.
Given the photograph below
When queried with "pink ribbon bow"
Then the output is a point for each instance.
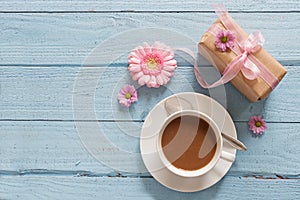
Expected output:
(242, 62)
(245, 62)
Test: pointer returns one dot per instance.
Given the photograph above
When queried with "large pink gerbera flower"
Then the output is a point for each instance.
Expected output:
(152, 65)
(257, 125)
(224, 40)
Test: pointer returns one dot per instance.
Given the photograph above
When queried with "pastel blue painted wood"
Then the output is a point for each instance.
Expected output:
(44, 43)
(50, 94)
(69, 187)
(55, 146)
(136, 5)
(67, 38)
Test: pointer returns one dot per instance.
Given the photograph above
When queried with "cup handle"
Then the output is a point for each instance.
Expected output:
(227, 156)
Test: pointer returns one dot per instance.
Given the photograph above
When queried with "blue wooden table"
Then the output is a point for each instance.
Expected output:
(43, 45)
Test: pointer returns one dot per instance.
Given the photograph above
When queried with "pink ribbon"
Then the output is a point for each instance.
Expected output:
(245, 62)
(242, 62)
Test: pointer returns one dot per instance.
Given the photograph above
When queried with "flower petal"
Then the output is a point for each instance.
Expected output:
(137, 75)
(134, 60)
(171, 62)
(159, 79)
(166, 73)
(169, 68)
(229, 44)
(156, 45)
(152, 82)
(147, 49)
(144, 79)
(168, 57)
(121, 97)
(125, 103)
(134, 68)
(124, 90)
(135, 54)
(165, 78)
(167, 53)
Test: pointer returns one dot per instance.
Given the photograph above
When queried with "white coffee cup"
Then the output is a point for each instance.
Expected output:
(219, 152)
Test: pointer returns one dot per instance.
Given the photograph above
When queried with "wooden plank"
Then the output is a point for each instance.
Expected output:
(34, 147)
(135, 5)
(44, 145)
(67, 38)
(47, 93)
(49, 187)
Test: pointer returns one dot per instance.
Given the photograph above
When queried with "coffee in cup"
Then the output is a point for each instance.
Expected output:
(190, 143)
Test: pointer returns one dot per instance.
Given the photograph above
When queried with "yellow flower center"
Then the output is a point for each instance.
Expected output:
(127, 95)
(152, 63)
(258, 124)
(224, 39)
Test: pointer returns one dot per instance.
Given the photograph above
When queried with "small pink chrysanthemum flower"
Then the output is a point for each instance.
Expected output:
(224, 40)
(152, 65)
(257, 125)
(127, 95)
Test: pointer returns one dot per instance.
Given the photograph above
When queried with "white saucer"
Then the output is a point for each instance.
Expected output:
(148, 143)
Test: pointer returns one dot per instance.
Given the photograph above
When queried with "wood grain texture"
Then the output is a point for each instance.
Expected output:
(67, 38)
(136, 5)
(44, 43)
(46, 93)
(55, 148)
(45, 187)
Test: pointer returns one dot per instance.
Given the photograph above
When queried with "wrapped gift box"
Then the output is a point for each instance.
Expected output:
(254, 90)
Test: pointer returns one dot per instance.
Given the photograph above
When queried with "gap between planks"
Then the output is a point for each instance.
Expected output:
(81, 173)
(145, 11)
(113, 121)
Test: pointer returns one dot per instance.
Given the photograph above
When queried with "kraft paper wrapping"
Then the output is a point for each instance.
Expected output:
(254, 90)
